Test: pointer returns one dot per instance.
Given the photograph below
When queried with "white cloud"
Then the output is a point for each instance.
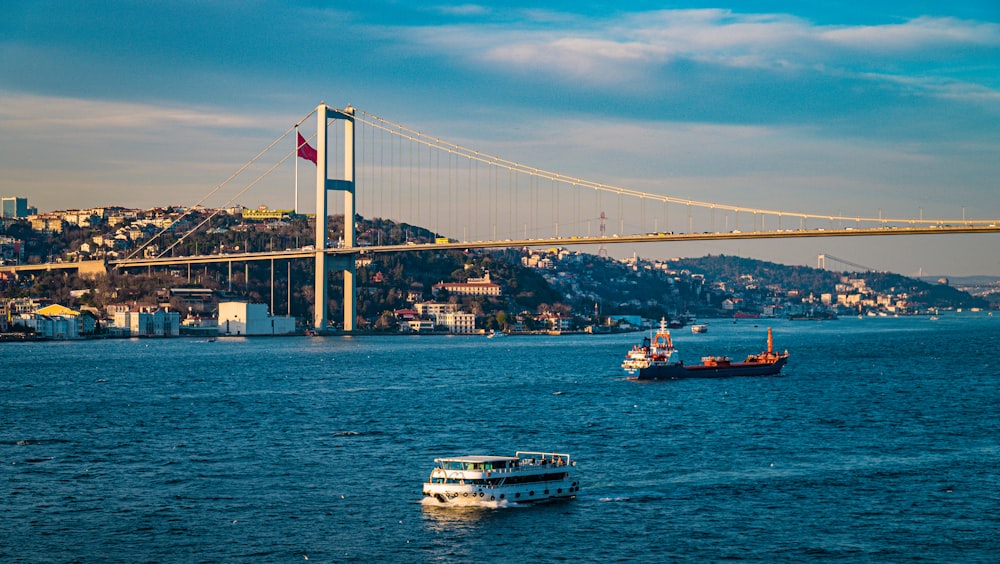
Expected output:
(463, 10)
(133, 126)
(65, 152)
(44, 115)
(914, 36)
(591, 48)
(577, 57)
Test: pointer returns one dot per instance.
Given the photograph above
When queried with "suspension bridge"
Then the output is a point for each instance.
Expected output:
(473, 200)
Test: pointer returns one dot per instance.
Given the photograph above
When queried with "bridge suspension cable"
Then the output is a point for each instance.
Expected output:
(472, 154)
(218, 187)
(441, 193)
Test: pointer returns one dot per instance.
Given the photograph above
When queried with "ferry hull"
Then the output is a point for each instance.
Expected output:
(680, 371)
(485, 496)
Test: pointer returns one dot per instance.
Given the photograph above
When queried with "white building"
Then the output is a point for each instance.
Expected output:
(435, 309)
(50, 326)
(417, 326)
(458, 322)
(241, 318)
(473, 287)
(152, 322)
(557, 322)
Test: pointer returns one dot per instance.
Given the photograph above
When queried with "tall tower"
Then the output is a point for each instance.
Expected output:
(15, 207)
(602, 251)
(344, 262)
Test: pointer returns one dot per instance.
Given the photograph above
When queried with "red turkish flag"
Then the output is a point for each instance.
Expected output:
(305, 151)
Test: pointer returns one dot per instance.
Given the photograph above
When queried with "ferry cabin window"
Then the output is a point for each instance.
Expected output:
(478, 466)
(530, 479)
(475, 466)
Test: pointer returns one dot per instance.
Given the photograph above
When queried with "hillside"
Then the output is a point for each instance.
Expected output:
(561, 281)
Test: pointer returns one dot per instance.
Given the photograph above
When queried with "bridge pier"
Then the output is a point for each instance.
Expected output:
(323, 185)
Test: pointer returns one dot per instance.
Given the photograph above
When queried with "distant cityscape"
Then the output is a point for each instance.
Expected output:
(554, 290)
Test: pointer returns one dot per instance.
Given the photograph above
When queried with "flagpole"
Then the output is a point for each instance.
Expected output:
(296, 137)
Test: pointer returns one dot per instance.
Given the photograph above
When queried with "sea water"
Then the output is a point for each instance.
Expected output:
(878, 442)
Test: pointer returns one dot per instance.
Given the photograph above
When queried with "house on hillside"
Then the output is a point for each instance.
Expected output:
(472, 287)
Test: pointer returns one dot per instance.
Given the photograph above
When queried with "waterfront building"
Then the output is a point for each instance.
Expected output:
(200, 326)
(435, 309)
(773, 311)
(112, 309)
(149, 322)
(556, 322)
(50, 326)
(242, 318)
(458, 322)
(406, 314)
(417, 326)
(85, 324)
(626, 320)
(732, 304)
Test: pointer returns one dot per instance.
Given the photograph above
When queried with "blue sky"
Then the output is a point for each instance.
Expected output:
(802, 106)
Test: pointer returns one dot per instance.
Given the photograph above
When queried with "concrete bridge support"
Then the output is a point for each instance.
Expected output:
(345, 263)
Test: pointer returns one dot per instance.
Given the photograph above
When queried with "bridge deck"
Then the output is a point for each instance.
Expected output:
(544, 242)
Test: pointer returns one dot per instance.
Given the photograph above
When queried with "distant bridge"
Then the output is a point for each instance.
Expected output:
(474, 200)
(823, 257)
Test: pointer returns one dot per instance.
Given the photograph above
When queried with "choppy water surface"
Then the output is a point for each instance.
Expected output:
(879, 442)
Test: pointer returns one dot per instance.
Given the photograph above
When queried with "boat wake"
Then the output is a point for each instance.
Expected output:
(637, 498)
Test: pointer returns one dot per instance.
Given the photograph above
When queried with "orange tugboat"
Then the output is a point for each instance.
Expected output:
(656, 359)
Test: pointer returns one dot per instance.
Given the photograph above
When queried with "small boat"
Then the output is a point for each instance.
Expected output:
(657, 359)
(526, 477)
(699, 328)
(494, 334)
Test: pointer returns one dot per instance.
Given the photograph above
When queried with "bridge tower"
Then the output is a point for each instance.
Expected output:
(344, 263)
(602, 251)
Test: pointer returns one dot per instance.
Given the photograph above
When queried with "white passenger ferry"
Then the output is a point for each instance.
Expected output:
(525, 477)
